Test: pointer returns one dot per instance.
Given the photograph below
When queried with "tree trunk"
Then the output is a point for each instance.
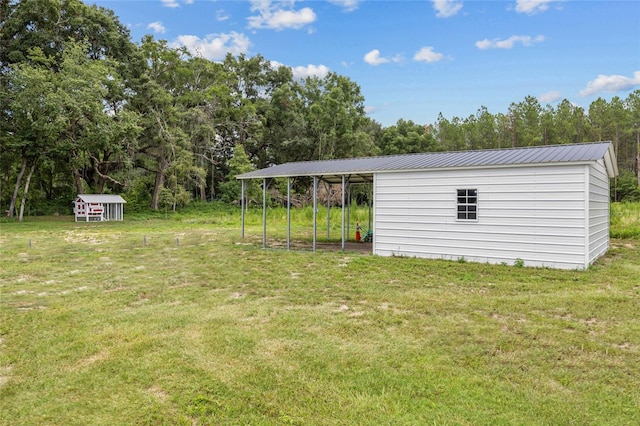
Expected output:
(77, 180)
(101, 182)
(14, 197)
(155, 195)
(213, 182)
(157, 189)
(26, 191)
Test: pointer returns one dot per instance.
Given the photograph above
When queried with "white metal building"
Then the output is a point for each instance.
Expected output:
(98, 207)
(541, 206)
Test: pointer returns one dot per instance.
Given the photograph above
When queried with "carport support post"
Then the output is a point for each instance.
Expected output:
(288, 213)
(342, 213)
(370, 197)
(348, 201)
(328, 186)
(315, 209)
(264, 213)
(242, 209)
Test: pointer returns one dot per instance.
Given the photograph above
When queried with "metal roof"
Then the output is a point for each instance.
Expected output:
(363, 169)
(101, 198)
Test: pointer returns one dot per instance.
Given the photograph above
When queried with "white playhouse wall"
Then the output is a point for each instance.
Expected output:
(88, 211)
(543, 214)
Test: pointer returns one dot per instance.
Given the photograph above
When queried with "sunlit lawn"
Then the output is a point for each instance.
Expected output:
(176, 321)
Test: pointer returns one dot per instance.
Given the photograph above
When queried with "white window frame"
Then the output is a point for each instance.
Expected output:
(467, 199)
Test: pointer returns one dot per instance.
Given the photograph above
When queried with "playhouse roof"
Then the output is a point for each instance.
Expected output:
(362, 169)
(101, 198)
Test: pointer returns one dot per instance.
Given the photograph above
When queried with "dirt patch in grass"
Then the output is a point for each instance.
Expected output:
(158, 393)
(364, 248)
(5, 375)
(86, 362)
(300, 245)
(76, 237)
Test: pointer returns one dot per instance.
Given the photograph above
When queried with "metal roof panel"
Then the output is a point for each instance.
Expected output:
(101, 198)
(438, 160)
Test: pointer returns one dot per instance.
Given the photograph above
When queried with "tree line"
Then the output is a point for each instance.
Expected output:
(86, 110)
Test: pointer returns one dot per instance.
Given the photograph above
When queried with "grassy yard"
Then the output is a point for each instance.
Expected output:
(175, 321)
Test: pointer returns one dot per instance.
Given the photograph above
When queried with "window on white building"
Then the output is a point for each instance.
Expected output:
(467, 204)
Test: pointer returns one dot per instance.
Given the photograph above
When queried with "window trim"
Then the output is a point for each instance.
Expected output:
(469, 204)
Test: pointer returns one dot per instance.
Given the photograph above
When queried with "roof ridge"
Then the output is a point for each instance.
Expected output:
(462, 151)
(562, 153)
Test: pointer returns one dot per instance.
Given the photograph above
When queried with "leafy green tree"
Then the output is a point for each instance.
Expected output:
(162, 141)
(30, 127)
(547, 126)
(252, 82)
(449, 134)
(285, 137)
(91, 138)
(625, 187)
(632, 104)
(50, 24)
(613, 121)
(504, 131)
(486, 129)
(525, 118)
(569, 123)
(204, 94)
(175, 192)
(232, 189)
(622, 132)
(58, 114)
(40, 42)
(335, 117)
(406, 137)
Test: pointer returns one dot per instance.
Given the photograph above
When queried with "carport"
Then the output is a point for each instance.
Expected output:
(344, 172)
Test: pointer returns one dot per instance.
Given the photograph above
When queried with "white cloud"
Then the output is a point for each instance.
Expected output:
(611, 84)
(550, 97)
(157, 27)
(370, 109)
(532, 7)
(509, 42)
(213, 46)
(170, 3)
(175, 3)
(374, 58)
(319, 71)
(301, 72)
(446, 8)
(278, 16)
(221, 15)
(426, 54)
(347, 5)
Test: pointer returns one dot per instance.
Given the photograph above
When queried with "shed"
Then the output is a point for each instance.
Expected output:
(541, 206)
(98, 207)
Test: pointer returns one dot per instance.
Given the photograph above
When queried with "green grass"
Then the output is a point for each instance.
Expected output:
(625, 220)
(195, 327)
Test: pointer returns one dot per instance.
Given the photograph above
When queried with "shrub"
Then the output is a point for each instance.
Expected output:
(625, 187)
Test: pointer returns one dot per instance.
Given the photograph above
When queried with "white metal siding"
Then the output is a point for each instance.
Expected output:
(598, 211)
(533, 213)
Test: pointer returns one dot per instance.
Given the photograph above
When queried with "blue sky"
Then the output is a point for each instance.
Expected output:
(414, 59)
